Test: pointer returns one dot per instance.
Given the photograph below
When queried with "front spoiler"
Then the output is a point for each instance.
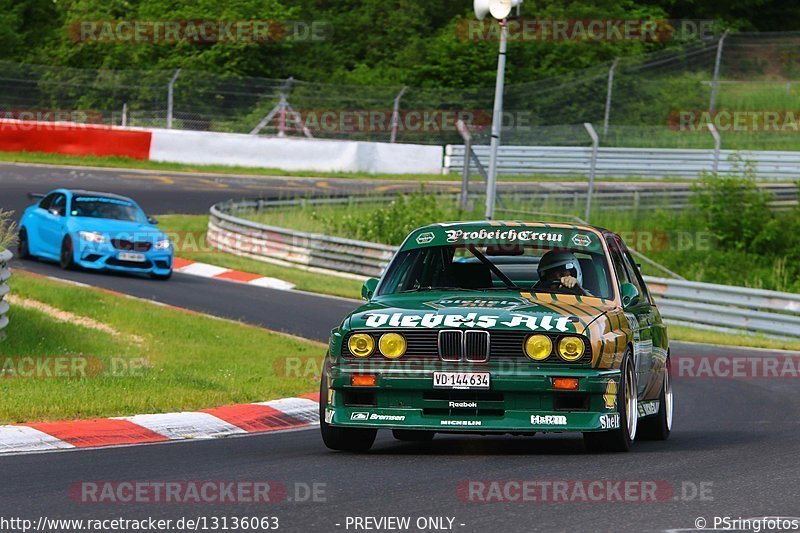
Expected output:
(511, 422)
(403, 402)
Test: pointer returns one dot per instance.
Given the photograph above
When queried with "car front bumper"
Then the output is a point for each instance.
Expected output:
(519, 401)
(157, 262)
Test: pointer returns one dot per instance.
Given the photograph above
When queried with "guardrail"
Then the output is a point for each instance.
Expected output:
(5, 273)
(308, 251)
(700, 305)
(622, 162)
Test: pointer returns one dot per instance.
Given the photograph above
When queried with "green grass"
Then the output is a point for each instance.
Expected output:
(191, 244)
(687, 334)
(190, 361)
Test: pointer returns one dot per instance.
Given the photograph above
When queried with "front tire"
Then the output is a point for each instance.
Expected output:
(161, 277)
(659, 426)
(355, 440)
(23, 248)
(67, 256)
(619, 440)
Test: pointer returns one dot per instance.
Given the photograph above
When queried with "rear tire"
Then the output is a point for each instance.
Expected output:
(659, 426)
(67, 256)
(355, 440)
(23, 249)
(619, 440)
(413, 435)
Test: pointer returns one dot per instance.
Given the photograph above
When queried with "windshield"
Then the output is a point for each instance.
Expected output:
(102, 207)
(514, 267)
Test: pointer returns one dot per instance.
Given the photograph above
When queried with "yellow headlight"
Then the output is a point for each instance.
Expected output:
(392, 345)
(570, 348)
(538, 347)
(361, 345)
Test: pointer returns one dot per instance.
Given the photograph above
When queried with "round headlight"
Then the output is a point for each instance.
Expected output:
(361, 345)
(570, 348)
(392, 345)
(538, 347)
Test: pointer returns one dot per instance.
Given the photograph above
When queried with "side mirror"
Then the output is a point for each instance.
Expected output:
(152, 220)
(369, 288)
(56, 212)
(629, 294)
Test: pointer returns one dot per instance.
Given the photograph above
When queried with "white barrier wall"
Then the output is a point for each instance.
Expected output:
(208, 148)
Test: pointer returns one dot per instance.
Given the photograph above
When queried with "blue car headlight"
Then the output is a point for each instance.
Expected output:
(92, 236)
(162, 245)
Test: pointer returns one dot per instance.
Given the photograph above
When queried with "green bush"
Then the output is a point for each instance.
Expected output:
(392, 222)
(754, 244)
(8, 229)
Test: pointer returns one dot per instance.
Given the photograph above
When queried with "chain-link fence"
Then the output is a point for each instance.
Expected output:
(653, 100)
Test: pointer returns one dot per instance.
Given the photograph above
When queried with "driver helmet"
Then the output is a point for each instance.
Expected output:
(558, 260)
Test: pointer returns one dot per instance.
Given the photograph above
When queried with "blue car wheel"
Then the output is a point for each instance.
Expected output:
(67, 257)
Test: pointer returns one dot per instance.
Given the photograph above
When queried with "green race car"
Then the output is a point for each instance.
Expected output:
(501, 327)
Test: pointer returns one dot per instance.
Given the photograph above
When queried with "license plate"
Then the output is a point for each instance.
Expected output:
(461, 380)
(127, 256)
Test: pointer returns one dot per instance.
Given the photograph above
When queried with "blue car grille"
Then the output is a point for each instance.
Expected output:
(129, 246)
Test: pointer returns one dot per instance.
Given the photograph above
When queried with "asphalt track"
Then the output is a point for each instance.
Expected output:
(736, 439)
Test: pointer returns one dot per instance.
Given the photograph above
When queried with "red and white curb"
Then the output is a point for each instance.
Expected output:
(205, 270)
(217, 422)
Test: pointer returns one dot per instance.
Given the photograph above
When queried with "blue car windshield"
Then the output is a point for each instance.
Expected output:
(110, 208)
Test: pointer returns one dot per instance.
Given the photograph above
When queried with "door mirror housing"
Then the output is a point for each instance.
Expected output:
(629, 294)
(152, 220)
(368, 290)
(55, 211)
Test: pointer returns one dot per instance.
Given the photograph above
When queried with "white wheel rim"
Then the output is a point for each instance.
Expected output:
(668, 396)
(631, 402)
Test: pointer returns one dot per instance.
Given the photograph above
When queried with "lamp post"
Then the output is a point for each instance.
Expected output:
(499, 9)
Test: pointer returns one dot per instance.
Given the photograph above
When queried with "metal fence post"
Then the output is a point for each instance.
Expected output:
(170, 98)
(592, 169)
(609, 94)
(396, 115)
(712, 106)
(464, 131)
(717, 146)
(125, 114)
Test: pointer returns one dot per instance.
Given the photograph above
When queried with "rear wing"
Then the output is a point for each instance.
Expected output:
(35, 196)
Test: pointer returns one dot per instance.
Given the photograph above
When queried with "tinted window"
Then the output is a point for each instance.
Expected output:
(104, 207)
(619, 263)
(636, 277)
(478, 268)
(47, 201)
(59, 204)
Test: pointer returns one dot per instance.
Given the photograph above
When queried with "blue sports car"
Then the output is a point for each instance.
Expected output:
(95, 231)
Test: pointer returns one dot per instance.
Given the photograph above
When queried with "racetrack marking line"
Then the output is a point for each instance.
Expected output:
(203, 270)
(16, 439)
(185, 425)
(99, 432)
(288, 414)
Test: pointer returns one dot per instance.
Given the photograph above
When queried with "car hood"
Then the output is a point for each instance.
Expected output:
(544, 313)
(118, 229)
